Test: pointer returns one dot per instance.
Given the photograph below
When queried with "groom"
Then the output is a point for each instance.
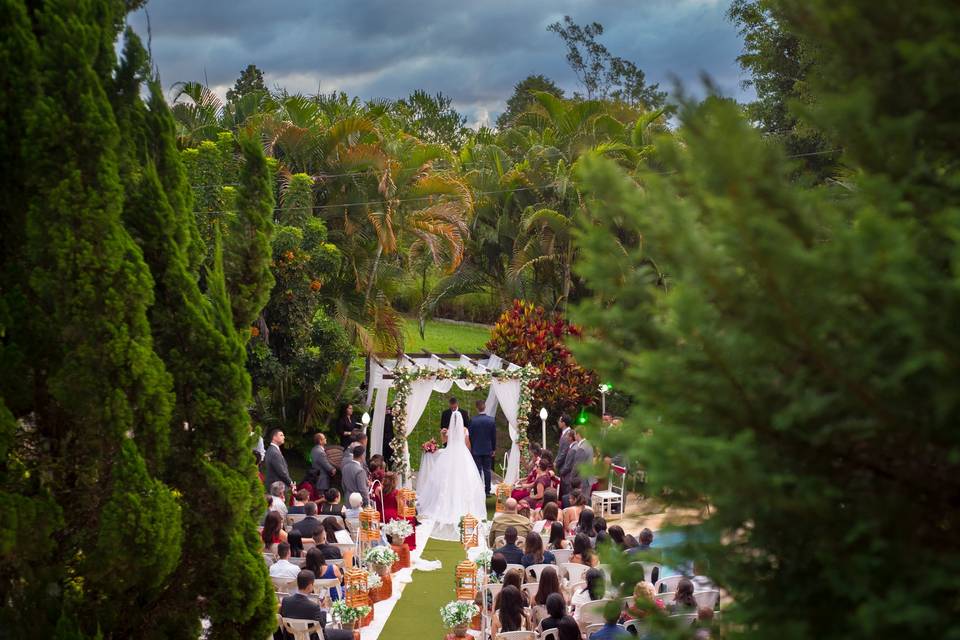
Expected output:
(445, 419)
(483, 442)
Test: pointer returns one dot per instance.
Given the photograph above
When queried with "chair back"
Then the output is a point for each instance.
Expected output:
(294, 518)
(667, 585)
(707, 598)
(321, 585)
(493, 589)
(335, 456)
(635, 627)
(593, 627)
(268, 558)
(336, 561)
(618, 479)
(300, 562)
(517, 635)
(574, 570)
(302, 629)
(516, 566)
(284, 585)
(534, 570)
(683, 619)
(562, 555)
(550, 634)
(531, 589)
(592, 612)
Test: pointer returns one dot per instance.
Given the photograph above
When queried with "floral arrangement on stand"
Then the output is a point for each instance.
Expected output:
(430, 446)
(397, 530)
(483, 560)
(457, 614)
(382, 556)
(374, 581)
(348, 616)
(403, 378)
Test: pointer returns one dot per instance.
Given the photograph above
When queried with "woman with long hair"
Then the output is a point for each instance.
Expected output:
(522, 489)
(583, 551)
(572, 513)
(549, 583)
(273, 532)
(585, 525)
(683, 600)
(317, 562)
(510, 614)
(534, 553)
(558, 538)
(345, 425)
(389, 507)
(617, 536)
(513, 577)
(596, 587)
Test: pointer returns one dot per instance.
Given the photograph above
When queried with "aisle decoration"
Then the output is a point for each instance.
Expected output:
(483, 560)
(466, 580)
(407, 502)
(369, 525)
(349, 617)
(397, 531)
(468, 531)
(456, 615)
(381, 559)
(375, 587)
(403, 377)
(504, 490)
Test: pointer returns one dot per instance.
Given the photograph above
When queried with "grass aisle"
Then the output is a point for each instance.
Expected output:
(417, 613)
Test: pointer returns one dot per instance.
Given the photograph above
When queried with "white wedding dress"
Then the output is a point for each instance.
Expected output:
(453, 487)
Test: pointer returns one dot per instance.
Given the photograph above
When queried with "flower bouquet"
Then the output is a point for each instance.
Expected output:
(456, 615)
(397, 530)
(348, 617)
(381, 558)
(375, 588)
(483, 559)
(430, 446)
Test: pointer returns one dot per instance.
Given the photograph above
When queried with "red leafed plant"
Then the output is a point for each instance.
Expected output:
(528, 334)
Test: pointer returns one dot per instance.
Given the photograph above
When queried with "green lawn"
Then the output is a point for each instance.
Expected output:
(439, 337)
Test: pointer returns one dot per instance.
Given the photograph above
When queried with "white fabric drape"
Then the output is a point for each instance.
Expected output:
(490, 407)
(420, 391)
(379, 413)
(440, 386)
(508, 394)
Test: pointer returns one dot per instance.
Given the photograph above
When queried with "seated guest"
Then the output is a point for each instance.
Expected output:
(611, 630)
(550, 495)
(571, 514)
(549, 583)
(273, 532)
(596, 587)
(683, 600)
(326, 536)
(352, 512)
(603, 538)
(510, 550)
(508, 518)
(557, 538)
(316, 562)
(283, 568)
(300, 499)
(550, 514)
(510, 614)
(513, 577)
(617, 536)
(583, 552)
(307, 528)
(299, 606)
(646, 539)
(389, 507)
(585, 525)
(568, 629)
(645, 602)
(599, 524)
(498, 567)
(330, 505)
(278, 492)
(541, 483)
(522, 489)
(556, 613)
(534, 553)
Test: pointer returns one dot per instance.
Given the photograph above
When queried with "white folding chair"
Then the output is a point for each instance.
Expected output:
(683, 619)
(591, 628)
(562, 555)
(302, 629)
(535, 570)
(531, 589)
(592, 613)
(324, 585)
(707, 598)
(284, 585)
(518, 567)
(603, 502)
(517, 635)
(268, 558)
(576, 587)
(489, 593)
(574, 570)
(667, 585)
(300, 562)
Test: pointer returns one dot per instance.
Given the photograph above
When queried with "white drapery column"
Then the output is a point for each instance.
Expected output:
(508, 394)
(490, 406)
(417, 399)
(379, 414)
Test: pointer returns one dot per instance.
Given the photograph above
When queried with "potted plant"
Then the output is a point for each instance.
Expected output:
(348, 617)
(456, 616)
(397, 531)
(381, 558)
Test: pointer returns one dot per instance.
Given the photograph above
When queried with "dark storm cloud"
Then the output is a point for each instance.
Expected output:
(473, 53)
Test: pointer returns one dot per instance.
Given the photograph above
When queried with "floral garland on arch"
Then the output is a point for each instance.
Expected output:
(404, 377)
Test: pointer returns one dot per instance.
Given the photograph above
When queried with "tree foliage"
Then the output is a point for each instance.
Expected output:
(249, 82)
(796, 369)
(523, 97)
(432, 118)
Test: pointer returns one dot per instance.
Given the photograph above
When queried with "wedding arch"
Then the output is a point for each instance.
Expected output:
(415, 378)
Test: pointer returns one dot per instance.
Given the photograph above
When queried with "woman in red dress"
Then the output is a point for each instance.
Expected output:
(390, 509)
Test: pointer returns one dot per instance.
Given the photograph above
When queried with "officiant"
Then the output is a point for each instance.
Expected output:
(445, 418)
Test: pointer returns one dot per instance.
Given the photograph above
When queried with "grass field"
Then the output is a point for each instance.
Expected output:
(440, 336)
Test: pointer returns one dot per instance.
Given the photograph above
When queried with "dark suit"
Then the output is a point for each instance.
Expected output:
(320, 469)
(511, 552)
(275, 468)
(300, 607)
(307, 527)
(388, 440)
(582, 455)
(483, 442)
(563, 447)
(445, 418)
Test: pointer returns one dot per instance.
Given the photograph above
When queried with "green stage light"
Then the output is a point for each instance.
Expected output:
(582, 417)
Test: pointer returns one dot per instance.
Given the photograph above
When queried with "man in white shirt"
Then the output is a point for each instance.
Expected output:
(283, 568)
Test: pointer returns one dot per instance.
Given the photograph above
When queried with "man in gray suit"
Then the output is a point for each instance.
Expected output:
(355, 476)
(582, 454)
(275, 465)
(565, 466)
(564, 445)
(321, 470)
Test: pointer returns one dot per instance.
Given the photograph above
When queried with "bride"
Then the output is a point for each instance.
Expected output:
(453, 487)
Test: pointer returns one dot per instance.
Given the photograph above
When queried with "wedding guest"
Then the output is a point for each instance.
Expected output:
(510, 550)
(509, 613)
(278, 497)
(540, 484)
(522, 489)
(307, 528)
(564, 444)
(611, 630)
(275, 465)
(629, 542)
(534, 553)
(571, 514)
(508, 518)
(645, 602)
(498, 567)
(299, 606)
(317, 562)
(390, 509)
(273, 532)
(556, 607)
(548, 584)
(566, 469)
(646, 539)
(355, 475)
(300, 498)
(585, 525)
(599, 524)
(326, 536)
(568, 629)
(583, 551)
(683, 600)
(345, 426)
(550, 514)
(283, 568)
(617, 536)
(603, 538)
(558, 539)
(581, 454)
(321, 469)
(594, 590)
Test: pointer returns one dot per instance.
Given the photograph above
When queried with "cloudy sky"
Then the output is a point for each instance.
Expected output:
(473, 52)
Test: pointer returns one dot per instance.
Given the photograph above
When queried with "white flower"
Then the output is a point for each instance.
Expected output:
(458, 612)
